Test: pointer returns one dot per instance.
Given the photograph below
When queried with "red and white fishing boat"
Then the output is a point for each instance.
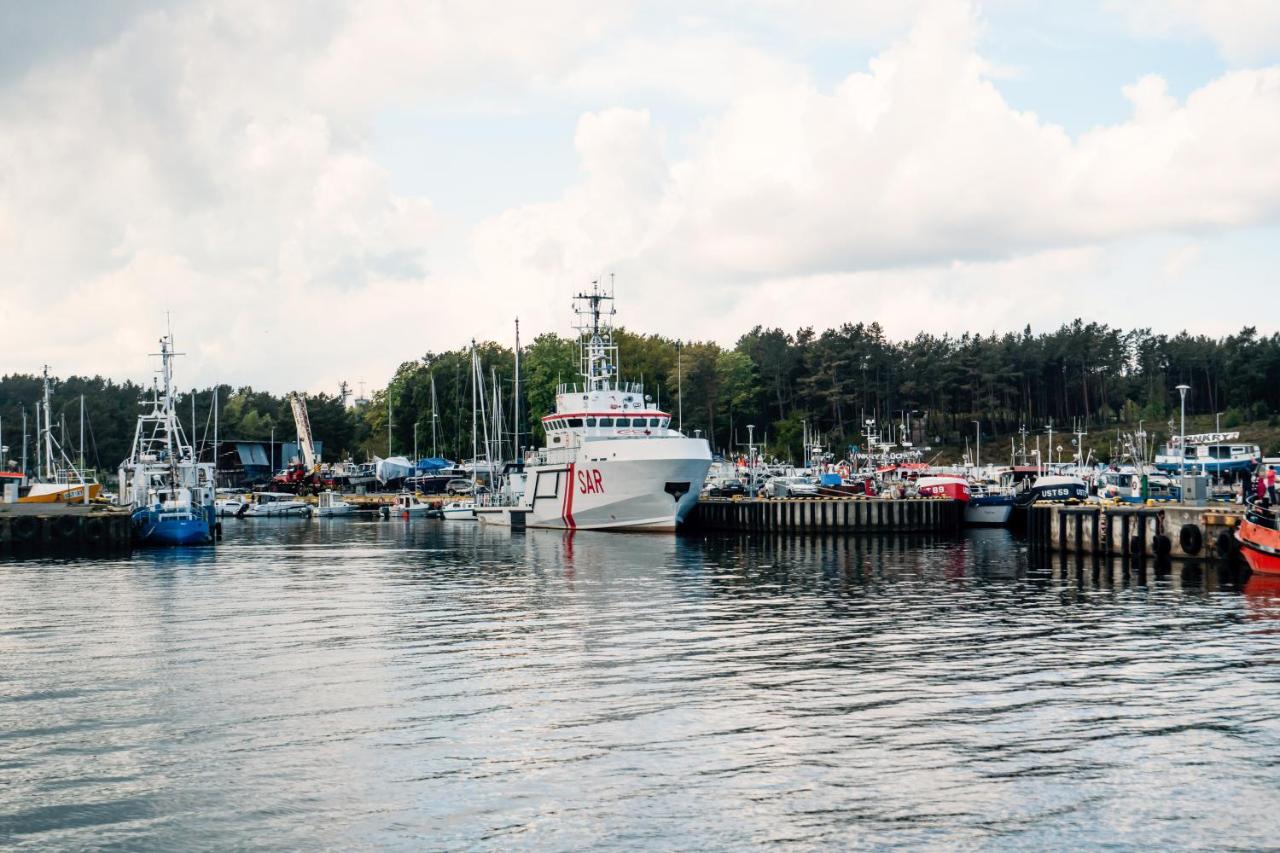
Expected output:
(1259, 538)
(955, 488)
(612, 461)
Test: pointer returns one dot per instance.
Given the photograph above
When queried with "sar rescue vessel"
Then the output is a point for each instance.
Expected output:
(611, 460)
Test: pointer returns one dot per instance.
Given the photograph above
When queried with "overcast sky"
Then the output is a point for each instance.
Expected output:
(320, 191)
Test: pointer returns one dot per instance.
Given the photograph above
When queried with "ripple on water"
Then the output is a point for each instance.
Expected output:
(439, 685)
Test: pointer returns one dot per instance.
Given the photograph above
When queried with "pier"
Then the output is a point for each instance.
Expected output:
(826, 515)
(55, 529)
(1136, 530)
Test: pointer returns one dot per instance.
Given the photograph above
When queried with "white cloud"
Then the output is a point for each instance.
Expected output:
(918, 161)
(214, 160)
(1245, 31)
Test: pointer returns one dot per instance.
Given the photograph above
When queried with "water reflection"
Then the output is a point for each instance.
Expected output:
(356, 682)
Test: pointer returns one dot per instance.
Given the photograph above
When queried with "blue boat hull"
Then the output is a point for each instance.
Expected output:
(1209, 466)
(149, 528)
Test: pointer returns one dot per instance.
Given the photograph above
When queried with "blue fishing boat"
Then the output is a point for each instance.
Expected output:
(169, 489)
(1213, 453)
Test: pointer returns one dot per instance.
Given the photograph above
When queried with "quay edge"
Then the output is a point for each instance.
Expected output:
(64, 530)
(825, 515)
(1175, 531)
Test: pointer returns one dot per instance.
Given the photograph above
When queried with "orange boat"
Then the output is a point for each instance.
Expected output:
(1259, 538)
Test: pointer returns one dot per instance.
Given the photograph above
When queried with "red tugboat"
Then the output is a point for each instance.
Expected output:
(1259, 538)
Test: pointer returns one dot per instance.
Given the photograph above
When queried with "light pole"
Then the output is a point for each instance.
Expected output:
(1217, 422)
(1182, 431)
(977, 453)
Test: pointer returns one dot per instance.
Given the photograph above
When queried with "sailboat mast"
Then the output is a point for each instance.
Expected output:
(474, 455)
(215, 435)
(515, 399)
(48, 428)
(434, 416)
(82, 434)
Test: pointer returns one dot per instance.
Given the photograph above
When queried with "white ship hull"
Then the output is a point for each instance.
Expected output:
(618, 484)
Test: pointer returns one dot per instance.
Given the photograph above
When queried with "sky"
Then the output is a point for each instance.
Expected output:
(315, 192)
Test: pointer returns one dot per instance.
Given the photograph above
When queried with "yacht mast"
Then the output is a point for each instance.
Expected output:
(475, 456)
(434, 416)
(515, 400)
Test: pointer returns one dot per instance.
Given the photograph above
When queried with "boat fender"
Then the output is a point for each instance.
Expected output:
(66, 526)
(244, 508)
(24, 528)
(1226, 544)
(1161, 545)
(94, 528)
(1190, 538)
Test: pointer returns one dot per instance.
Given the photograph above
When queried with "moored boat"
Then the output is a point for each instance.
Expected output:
(1259, 538)
(169, 490)
(329, 504)
(275, 505)
(58, 480)
(611, 459)
(943, 486)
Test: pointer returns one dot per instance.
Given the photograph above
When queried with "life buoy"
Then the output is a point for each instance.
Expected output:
(24, 528)
(66, 526)
(1191, 539)
(94, 529)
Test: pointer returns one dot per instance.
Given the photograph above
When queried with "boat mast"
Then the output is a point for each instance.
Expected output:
(82, 438)
(434, 416)
(48, 429)
(475, 456)
(215, 436)
(515, 400)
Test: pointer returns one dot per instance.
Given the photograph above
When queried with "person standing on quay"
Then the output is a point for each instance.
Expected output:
(1246, 482)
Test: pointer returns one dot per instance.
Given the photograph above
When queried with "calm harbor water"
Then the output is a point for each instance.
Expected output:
(353, 684)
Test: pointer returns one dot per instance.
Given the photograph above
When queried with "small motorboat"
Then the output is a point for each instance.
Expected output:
(275, 505)
(329, 503)
(1259, 538)
(411, 505)
(459, 511)
(228, 502)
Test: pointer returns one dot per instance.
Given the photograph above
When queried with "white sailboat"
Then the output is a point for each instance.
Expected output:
(612, 461)
(58, 480)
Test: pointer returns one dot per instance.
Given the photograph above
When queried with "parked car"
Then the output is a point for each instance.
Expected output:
(727, 489)
(459, 486)
(793, 487)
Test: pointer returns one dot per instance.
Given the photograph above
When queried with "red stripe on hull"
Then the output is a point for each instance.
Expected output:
(568, 501)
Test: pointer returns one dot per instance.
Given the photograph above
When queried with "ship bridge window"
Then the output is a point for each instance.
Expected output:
(606, 422)
(591, 422)
(665, 421)
(653, 422)
(574, 423)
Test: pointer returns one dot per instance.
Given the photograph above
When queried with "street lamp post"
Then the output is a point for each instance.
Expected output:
(1182, 437)
(1217, 422)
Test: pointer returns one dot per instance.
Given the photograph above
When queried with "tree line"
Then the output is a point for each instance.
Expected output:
(781, 383)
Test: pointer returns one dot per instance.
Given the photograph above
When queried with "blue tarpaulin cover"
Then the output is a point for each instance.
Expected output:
(433, 463)
(830, 479)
